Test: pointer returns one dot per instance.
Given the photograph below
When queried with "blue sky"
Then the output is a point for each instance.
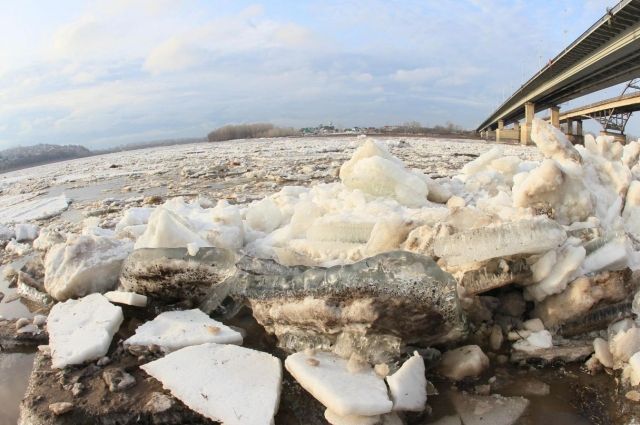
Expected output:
(107, 72)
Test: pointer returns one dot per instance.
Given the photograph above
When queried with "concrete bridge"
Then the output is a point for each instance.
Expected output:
(608, 53)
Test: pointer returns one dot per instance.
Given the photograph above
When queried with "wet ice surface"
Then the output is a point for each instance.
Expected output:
(241, 171)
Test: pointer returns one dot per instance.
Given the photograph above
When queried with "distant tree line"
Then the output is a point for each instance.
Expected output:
(250, 131)
(26, 156)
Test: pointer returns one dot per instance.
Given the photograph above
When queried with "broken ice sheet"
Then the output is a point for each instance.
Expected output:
(173, 330)
(81, 330)
(408, 385)
(226, 383)
(328, 378)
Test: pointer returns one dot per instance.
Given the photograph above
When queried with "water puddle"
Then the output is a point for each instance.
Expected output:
(14, 376)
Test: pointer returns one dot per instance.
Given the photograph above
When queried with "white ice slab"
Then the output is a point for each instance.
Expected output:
(173, 330)
(128, 298)
(84, 264)
(226, 383)
(408, 386)
(14, 209)
(81, 330)
(328, 379)
(535, 341)
(335, 419)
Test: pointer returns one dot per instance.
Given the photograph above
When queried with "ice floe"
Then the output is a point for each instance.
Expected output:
(81, 330)
(173, 330)
(227, 383)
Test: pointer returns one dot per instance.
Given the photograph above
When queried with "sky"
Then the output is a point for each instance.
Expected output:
(107, 72)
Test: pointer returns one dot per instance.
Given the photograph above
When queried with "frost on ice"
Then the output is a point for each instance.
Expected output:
(81, 330)
(226, 383)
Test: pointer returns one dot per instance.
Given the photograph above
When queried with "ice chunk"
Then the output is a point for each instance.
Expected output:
(166, 229)
(623, 345)
(535, 341)
(533, 325)
(173, 330)
(26, 232)
(463, 362)
(303, 303)
(17, 248)
(550, 190)
(611, 256)
(631, 154)
(225, 383)
(494, 410)
(555, 145)
(84, 264)
(633, 370)
(134, 217)
(327, 377)
(580, 296)
(387, 235)
(483, 161)
(81, 330)
(602, 352)
(340, 229)
(264, 215)
(543, 266)
(170, 274)
(376, 172)
(47, 238)
(631, 212)
(569, 259)
(519, 237)
(335, 419)
(128, 298)
(6, 233)
(408, 386)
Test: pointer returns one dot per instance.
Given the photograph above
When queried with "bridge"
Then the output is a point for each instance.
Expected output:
(608, 53)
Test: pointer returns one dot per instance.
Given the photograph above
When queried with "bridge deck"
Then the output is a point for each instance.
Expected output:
(608, 53)
(626, 103)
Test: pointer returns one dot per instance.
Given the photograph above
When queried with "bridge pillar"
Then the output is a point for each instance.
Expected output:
(555, 116)
(569, 127)
(579, 128)
(525, 128)
(499, 130)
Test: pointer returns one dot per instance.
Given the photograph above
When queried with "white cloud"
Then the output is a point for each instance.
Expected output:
(171, 56)
(417, 75)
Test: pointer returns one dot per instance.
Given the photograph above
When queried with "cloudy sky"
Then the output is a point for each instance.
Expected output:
(106, 72)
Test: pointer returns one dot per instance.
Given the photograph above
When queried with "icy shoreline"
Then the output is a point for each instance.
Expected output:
(318, 265)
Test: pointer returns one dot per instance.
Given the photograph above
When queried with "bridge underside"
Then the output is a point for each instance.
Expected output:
(607, 54)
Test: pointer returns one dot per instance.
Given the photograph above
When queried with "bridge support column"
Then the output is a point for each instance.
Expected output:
(499, 130)
(525, 128)
(555, 116)
(579, 128)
